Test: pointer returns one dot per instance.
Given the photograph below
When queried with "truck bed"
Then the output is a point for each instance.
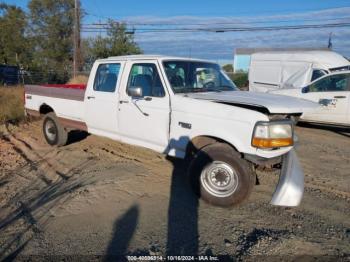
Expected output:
(65, 100)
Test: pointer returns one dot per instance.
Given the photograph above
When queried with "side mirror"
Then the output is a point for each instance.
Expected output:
(305, 89)
(135, 92)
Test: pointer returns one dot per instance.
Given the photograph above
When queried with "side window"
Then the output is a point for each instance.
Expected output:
(331, 83)
(106, 77)
(317, 73)
(320, 85)
(147, 77)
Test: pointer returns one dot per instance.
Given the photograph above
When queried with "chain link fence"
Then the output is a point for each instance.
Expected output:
(22, 77)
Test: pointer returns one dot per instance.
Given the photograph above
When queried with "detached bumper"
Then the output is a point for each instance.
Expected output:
(290, 188)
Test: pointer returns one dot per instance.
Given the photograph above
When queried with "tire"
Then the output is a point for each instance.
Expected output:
(54, 132)
(220, 176)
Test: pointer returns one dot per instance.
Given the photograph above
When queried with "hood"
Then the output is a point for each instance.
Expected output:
(275, 104)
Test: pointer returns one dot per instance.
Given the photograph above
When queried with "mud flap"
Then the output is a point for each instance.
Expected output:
(290, 188)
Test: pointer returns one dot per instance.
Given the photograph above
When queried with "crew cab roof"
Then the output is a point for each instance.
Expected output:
(150, 57)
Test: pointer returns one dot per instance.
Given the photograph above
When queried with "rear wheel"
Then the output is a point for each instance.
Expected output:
(54, 132)
(220, 176)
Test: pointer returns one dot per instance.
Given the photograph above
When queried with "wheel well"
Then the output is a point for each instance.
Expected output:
(44, 109)
(199, 142)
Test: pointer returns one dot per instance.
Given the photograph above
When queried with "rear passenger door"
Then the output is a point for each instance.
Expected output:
(101, 99)
(144, 121)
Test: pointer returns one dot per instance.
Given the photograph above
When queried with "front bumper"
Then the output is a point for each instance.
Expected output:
(290, 187)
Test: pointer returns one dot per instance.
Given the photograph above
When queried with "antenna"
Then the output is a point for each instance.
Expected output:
(330, 45)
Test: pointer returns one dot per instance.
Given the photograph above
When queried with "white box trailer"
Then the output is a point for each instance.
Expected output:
(319, 76)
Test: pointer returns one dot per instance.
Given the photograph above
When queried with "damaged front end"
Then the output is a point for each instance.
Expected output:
(274, 135)
(290, 188)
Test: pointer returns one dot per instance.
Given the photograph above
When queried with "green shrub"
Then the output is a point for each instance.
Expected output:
(240, 79)
(11, 104)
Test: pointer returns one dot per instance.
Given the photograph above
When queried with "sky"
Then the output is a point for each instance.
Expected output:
(222, 13)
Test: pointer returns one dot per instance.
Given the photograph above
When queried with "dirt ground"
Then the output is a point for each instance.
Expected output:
(97, 198)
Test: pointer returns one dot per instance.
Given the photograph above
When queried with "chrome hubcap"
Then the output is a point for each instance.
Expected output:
(219, 179)
(50, 130)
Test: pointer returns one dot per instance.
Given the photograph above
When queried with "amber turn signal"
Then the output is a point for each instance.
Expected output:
(272, 142)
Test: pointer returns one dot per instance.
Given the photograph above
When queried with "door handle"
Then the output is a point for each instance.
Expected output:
(123, 101)
(90, 97)
(325, 101)
(340, 97)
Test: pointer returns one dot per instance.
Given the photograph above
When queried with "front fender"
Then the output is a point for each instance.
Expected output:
(290, 187)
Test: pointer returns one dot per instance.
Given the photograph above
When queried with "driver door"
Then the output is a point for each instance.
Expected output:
(332, 92)
(145, 120)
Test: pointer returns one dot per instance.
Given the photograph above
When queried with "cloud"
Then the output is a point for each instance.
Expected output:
(220, 46)
(335, 13)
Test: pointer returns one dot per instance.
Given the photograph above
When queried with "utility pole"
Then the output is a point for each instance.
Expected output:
(76, 38)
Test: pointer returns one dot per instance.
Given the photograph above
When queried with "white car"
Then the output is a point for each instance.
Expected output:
(332, 92)
(156, 102)
(318, 76)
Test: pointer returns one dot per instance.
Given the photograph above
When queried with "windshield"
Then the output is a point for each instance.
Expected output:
(191, 76)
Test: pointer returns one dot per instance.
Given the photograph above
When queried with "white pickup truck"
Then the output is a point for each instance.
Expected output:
(184, 108)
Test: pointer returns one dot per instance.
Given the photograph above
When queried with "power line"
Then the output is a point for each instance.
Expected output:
(223, 29)
(266, 21)
(224, 23)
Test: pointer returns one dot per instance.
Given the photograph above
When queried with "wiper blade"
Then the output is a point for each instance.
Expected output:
(199, 90)
(227, 88)
(207, 90)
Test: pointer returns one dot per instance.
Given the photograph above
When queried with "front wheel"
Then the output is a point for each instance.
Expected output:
(220, 176)
(54, 132)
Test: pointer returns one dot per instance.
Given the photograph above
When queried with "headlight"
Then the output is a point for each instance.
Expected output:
(273, 134)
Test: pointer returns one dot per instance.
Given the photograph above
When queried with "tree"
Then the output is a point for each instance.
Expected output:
(14, 47)
(121, 42)
(117, 42)
(52, 28)
(228, 68)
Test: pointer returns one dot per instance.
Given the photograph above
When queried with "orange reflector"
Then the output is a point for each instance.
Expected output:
(272, 142)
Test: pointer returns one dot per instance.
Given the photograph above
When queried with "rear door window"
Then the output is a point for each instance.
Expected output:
(106, 77)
